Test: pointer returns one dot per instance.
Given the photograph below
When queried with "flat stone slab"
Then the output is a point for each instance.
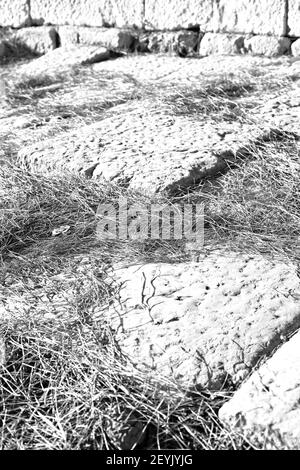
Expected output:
(145, 147)
(63, 58)
(204, 323)
(163, 68)
(269, 400)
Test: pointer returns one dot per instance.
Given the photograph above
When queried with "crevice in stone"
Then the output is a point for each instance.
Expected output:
(286, 28)
(226, 161)
(57, 40)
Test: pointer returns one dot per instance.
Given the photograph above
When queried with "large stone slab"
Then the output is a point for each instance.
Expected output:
(38, 40)
(146, 147)
(236, 16)
(88, 12)
(63, 58)
(269, 400)
(112, 38)
(294, 17)
(203, 323)
(14, 13)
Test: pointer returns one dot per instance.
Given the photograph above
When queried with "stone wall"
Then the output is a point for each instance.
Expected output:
(268, 27)
(275, 17)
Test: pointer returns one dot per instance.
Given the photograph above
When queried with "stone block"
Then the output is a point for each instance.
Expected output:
(296, 48)
(294, 17)
(215, 43)
(14, 13)
(88, 12)
(112, 38)
(37, 40)
(269, 46)
(181, 42)
(236, 16)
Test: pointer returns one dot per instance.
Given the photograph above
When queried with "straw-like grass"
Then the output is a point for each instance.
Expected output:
(254, 206)
(68, 387)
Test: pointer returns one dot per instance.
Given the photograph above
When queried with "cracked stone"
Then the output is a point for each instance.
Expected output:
(204, 323)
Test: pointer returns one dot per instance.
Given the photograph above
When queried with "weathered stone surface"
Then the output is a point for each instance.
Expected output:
(14, 13)
(165, 76)
(214, 43)
(294, 18)
(37, 40)
(178, 14)
(296, 48)
(204, 322)
(158, 69)
(269, 46)
(250, 16)
(283, 111)
(269, 399)
(180, 42)
(68, 35)
(111, 38)
(236, 16)
(63, 58)
(146, 147)
(88, 12)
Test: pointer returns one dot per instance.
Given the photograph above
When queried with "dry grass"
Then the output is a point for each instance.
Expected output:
(68, 387)
(254, 207)
(32, 206)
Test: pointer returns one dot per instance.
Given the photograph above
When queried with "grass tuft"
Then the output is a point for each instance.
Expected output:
(68, 387)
